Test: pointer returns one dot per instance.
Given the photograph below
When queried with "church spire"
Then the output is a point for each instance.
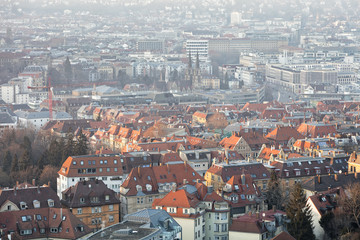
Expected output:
(197, 65)
(190, 62)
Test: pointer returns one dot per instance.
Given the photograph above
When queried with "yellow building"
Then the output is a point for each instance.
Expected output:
(93, 203)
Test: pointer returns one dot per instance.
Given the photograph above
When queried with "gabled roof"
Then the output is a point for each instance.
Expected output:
(44, 218)
(281, 134)
(28, 195)
(156, 175)
(88, 190)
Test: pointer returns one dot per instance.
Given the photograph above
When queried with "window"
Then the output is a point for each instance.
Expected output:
(9, 207)
(107, 197)
(93, 162)
(217, 228)
(150, 199)
(223, 216)
(81, 162)
(115, 169)
(82, 200)
(101, 161)
(89, 162)
(108, 169)
(115, 161)
(224, 227)
(100, 169)
(74, 162)
(79, 211)
(105, 161)
(111, 218)
(111, 207)
(53, 230)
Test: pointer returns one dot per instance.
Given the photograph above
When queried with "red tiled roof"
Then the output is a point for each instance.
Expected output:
(169, 173)
(281, 134)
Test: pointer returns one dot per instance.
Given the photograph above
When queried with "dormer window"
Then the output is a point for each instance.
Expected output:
(22, 205)
(297, 172)
(51, 203)
(286, 173)
(36, 204)
(107, 197)
(82, 200)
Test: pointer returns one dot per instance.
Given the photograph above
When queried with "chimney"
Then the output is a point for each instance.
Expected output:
(226, 160)
(139, 172)
(319, 179)
(185, 165)
(257, 215)
(15, 190)
(33, 182)
(250, 213)
(17, 183)
(168, 168)
(243, 179)
(274, 208)
(38, 189)
(356, 175)
(48, 184)
(336, 177)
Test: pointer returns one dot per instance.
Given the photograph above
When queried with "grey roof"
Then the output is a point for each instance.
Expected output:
(155, 217)
(62, 115)
(6, 118)
(32, 115)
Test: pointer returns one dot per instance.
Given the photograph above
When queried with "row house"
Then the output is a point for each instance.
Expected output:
(298, 169)
(158, 146)
(200, 212)
(112, 169)
(242, 194)
(145, 184)
(117, 136)
(220, 173)
(247, 143)
(93, 203)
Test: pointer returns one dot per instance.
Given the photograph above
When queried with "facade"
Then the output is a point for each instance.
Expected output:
(93, 203)
(151, 45)
(107, 168)
(200, 47)
(220, 173)
(199, 211)
(145, 184)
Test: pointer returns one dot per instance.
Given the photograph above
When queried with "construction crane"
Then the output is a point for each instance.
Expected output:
(50, 94)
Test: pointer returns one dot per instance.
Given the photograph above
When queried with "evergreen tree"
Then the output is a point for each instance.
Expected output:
(55, 153)
(15, 164)
(68, 70)
(44, 159)
(24, 161)
(298, 212)
(274, 192)
(27, 146)
(81, 147)
(69, 148)
(6, 165)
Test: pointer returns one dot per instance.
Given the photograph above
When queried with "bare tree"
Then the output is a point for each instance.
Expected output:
(351, 202)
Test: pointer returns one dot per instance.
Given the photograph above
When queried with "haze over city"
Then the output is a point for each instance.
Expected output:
(164, 119)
